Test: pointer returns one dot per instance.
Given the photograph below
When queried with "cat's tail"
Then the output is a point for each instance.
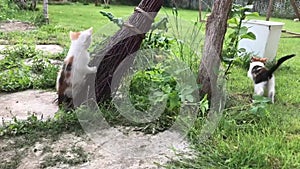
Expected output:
(279, 62)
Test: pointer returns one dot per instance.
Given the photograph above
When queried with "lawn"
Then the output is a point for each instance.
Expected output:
(266, 138)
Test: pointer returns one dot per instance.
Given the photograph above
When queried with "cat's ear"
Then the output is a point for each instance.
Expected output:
(71, 34)
(90, 30)
(74, 35)
(257, 59)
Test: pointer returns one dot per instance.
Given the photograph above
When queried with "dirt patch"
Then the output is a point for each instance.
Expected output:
(15, 26)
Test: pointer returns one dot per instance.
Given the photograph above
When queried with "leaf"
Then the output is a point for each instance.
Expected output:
(251, 13)
(229, 59)
(204, 104)
(187, 90)
(189, 98)
(173, 100)
(243, 30)
(248, 7)
(254, 109)
(233, 21)
(241, 50)
(248, 35)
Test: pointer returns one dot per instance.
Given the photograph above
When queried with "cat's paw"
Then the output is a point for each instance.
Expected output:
(93, 69)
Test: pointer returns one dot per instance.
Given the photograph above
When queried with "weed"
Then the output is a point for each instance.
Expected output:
(15, 79)
(16, 75)
(13, 162)
(20, 51)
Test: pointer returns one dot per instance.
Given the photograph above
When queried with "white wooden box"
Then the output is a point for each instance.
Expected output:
(267, 38)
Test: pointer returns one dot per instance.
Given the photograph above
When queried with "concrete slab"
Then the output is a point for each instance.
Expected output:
(21, 104)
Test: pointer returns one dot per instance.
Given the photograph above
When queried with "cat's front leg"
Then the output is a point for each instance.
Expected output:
(271, 88)
(91, 69)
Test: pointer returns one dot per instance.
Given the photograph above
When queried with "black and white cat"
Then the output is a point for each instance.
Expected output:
(262, 77)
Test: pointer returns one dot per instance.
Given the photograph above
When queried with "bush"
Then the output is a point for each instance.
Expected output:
(158, 86)
(155, 81)
(7, 9)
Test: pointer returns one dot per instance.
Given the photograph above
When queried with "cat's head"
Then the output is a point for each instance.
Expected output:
(256, 61)
(83, 38)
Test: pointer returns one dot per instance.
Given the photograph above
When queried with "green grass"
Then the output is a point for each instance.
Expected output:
(268, 138)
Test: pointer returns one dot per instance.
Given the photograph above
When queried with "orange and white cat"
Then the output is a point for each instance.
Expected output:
(75, 66)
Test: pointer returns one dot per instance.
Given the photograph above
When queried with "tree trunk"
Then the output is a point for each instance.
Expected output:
(33, 5)
(269, 11)
(124, 43)
(45, 11)
(97, 3)
(21, 4)
(293, 3)
(210, 62)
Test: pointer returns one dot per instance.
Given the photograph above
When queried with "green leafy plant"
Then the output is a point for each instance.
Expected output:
(38, 19)
(160, 86)
(157, 40)
(46, 77)
(259, 105)
(231, 52)
(62, 121)
(20, 51)
(155, 81)
(157, 37)
(15, 79)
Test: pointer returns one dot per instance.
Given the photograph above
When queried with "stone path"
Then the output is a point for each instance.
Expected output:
(147, 152)
(21, 104)
(16, 26)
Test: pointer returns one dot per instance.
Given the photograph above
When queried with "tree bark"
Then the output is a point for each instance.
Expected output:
(293, 3)
(97, 3)
(33, 5)
(124, 43)
(269, 11)
(215, 31)
(21, 4)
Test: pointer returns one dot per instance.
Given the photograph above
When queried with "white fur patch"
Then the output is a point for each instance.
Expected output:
(260, 88)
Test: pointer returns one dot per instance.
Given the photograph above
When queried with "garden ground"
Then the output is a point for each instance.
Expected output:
(268, 138)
